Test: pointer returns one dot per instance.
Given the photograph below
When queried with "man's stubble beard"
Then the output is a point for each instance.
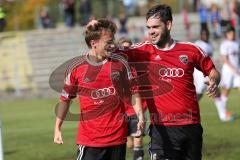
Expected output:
(164, 39)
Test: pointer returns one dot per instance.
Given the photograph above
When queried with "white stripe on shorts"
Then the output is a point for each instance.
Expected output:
(81, 149)
(149, 151)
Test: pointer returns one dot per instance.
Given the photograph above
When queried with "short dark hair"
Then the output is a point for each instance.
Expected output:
(229, 28)
(93, 32)
(204, 30)
(162, 11)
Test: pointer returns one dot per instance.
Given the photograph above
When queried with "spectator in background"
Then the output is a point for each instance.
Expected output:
(225, 15)
(195, 5)
(215, 20)
(186, 22)
(123, 22)
(69, 12)
(129, 6)
(2, 19)
(45, 19)
(235, 14)
(203, 16)
(85, 11)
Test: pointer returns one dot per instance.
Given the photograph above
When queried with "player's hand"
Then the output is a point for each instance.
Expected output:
(111, 47)
(92, 23)
(58, 137)
(140, 129)
(212, 88)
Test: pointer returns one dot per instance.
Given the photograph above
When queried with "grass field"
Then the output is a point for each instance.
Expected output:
(28, 131)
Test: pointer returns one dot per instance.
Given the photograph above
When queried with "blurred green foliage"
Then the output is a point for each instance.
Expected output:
(24, 14)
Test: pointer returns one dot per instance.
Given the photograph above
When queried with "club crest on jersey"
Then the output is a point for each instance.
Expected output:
(86, 80)
(183, 59)
(115, 76)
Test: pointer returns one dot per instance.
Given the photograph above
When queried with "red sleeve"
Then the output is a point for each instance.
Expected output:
(135, 52)
(129, 74)
(202, 61)
(70, 87)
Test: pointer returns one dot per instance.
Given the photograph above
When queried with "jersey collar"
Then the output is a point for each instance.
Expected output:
(95, 63)
(166, 49)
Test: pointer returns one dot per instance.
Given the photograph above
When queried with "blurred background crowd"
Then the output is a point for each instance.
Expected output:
(32, 14)
(45, 33)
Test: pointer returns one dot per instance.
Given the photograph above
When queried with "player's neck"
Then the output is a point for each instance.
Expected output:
(166, 43)
(205, 40)
(95, 57)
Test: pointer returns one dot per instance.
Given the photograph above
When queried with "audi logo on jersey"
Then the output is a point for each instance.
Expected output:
(171, 72)
(103, 92)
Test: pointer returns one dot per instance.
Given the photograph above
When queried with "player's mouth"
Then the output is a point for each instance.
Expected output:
(154, 38)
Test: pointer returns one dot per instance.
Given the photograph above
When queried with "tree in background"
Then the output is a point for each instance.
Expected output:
(22, 14)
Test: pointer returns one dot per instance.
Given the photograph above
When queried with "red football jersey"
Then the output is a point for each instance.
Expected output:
(100, 88)
(167, 78)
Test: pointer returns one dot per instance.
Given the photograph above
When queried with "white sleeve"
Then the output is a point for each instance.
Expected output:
(224, 49)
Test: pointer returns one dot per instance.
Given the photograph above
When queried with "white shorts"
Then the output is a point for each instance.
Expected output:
(229, 79)
(199, 80)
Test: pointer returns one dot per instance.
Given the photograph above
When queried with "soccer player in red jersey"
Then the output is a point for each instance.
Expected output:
(98, 78)
(167, 69)
(175, 130)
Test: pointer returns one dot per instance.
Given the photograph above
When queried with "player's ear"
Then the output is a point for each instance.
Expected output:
(169, 25)
(93, 43)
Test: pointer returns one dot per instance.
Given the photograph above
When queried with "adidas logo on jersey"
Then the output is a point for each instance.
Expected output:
(157, 57)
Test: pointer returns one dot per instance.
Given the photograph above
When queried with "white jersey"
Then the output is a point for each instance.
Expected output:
(231, 49)
(198, 75)
(206, 47)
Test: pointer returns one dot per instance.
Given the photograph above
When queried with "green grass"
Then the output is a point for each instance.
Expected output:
(28, 131)
(221, 140)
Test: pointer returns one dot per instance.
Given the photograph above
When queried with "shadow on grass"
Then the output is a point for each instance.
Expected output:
(10, 152)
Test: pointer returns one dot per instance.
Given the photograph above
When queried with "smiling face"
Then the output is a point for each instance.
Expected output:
(99, 37)
(103, 47)
(158, 31)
